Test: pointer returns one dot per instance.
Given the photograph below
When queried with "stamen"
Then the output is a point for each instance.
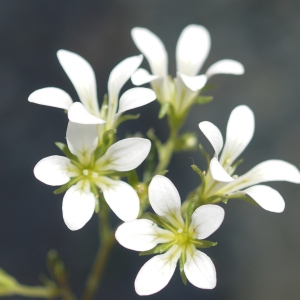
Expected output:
(95, 175)
(85, 172)
(180, 230)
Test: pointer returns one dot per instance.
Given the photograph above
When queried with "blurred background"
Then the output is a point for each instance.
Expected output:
(257, 256)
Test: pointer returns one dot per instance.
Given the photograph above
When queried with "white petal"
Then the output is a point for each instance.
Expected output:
(165, 200)
(218, 172)
(156, 273)
(192, 49)
(141, 235)
(121, 198)
(82, 140)
(240, 129)
(194, 83)
(78, 114)
(51, 96)
(270, 170)
(266, 197)
(225, 66)
(82, 76)
(142, 76)
(125, 155)
(213, 134)
(120, 74)
(53, 170)
(200, 270)
(153, 49)
(135, 97)
(206, 220)
(78, 206)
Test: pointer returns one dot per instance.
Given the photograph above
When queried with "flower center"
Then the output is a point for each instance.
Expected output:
(183, 238)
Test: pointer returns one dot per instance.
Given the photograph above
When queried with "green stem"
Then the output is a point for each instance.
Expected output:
(107, 241)
(166, 151)
(35, 292)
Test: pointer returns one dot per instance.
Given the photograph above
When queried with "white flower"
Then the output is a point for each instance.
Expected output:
(82, 76)
(219, 180)
(179, 239)
(191, 52)
(84, 172)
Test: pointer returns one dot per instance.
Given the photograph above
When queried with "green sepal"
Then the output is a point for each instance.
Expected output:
(186, 141)
(150, 164)
(208, 87)
(204, 244)
(163, 110)
(97, 205)
(64, 148)
(157, 249)
(159, 221)
(203, 99)
(205, 154)
(66, 186)
(242, 196)
(133, 178)
(126, 118)
(181, 269)
(200, 173)
(106, 136)
(104, 107)
(236, 164)
(189, 212)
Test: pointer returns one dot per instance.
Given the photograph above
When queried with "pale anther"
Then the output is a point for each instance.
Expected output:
(85, 172)
(180, 230)
(95, 175)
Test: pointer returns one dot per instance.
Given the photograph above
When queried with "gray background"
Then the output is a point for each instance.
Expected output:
(257, 256)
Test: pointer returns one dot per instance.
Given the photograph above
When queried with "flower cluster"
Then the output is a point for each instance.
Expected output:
(95, 161)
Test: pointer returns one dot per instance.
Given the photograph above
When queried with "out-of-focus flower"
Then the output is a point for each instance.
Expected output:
(82, 76)
(219, 180)
(177, 237)
(191, 52)
(83, 173)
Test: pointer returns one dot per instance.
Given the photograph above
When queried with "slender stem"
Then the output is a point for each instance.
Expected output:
(36, 292)
(107, 241)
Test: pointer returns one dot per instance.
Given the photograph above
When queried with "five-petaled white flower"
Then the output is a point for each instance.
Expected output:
(191, 52)
(179, 239)
(82, 77)
(84, 172)
(219, 180)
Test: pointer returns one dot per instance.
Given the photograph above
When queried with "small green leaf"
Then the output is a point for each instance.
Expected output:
(163, 110)
(203, 99)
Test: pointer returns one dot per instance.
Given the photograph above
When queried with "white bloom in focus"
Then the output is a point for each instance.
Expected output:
(82, 77)
(178, 240)
(219, 180)
(84, 173)
(191, 52)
